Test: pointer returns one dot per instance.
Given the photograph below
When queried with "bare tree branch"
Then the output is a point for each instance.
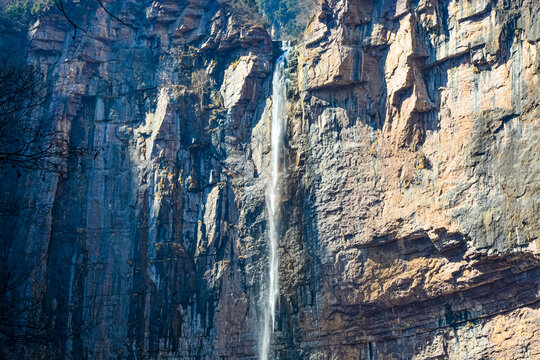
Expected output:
(115, 17)
(26, 141)
(60, 6)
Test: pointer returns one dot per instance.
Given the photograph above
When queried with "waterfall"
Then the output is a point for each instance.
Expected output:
(279, 111)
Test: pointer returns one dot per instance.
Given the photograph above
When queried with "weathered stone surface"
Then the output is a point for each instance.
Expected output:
(146, 258)
(414, 182)
(410, 201)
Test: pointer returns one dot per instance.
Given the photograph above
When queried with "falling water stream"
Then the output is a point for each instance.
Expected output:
(279, 110)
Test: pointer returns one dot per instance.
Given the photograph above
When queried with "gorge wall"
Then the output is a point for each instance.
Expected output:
(410, 225)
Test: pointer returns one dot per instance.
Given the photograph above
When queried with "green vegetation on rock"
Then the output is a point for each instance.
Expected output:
(41, 6)
(287, 18)
(16, 16)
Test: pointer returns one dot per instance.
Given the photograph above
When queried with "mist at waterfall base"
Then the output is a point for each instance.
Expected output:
(279, 110)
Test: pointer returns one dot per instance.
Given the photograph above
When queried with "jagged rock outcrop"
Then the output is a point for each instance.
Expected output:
(410, 226)
(429, 113)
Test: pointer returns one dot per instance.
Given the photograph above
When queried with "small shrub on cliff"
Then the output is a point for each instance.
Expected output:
(40, 6)
(201, 82)
(18, 11)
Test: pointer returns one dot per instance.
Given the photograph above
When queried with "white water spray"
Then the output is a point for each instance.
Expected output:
(279, 111)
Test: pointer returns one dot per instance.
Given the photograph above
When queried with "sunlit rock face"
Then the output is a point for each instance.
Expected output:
(415, 146)
(409, 208)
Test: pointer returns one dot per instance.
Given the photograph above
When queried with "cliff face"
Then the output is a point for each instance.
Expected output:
(416, 146)
(146, 233)
(409, 205)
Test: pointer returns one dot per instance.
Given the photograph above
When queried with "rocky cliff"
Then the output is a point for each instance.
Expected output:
(410, 203)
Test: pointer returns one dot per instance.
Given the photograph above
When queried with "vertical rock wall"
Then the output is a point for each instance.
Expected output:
(410, 202)
(151, 242)
(414, 149)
